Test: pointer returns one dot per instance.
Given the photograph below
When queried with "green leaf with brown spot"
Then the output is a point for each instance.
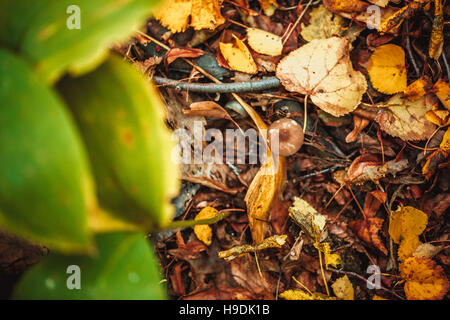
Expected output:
(120, 116)
(45, 185)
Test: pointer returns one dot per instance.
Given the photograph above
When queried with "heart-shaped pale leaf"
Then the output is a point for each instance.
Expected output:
(46, 189)
(124, 268)
(120, 117)
(70, 35)
(322, 70)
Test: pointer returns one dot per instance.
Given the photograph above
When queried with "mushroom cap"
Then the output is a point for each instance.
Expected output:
(290, 136)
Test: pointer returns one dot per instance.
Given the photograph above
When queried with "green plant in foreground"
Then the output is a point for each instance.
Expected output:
(85, 162)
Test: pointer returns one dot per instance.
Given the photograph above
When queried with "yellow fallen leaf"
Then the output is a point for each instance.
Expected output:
(264, 42)
(303, 295)
(343, 289)
(322, 70)
(406, 119)
(424, 279)
(418, 88)
(445, 143)
(387, 70)
(442, 91)
(203, 231)
(440, 118)
(178, 15)
(276, 241)
(238, 56)
(375, 297)
(330, 258)
(406, 224)
(308, 219)
(268, 6)
(324, 24)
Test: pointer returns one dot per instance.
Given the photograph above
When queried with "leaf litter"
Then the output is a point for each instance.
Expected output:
(369, 186)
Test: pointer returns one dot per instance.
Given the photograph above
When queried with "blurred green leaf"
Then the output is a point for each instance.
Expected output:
(124, 268)
(45, 187)
(120, 116)
(53, 48)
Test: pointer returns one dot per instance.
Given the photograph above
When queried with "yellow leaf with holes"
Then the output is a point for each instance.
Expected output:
(238, 56)
(407, 222)
(387, 70)
(424, 279)
(264, 42)
(442, 91)
(343, 289)
(406, 119)
(203, 231)
(178, 15)
(303, 295)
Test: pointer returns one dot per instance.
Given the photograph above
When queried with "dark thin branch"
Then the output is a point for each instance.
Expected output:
(245, 86)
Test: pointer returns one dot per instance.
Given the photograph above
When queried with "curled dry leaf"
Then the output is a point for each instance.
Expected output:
(322, 70)
(424, 279)
(406, 119)
(387, 69)
(358, 125)
(178, 15)
(308, 219)
(343, 289)
(367, 230)
(209, 109)
(238, 56)
(276, 241)
(264, 42)
(176, 53)
(203, 231)
(324, 24)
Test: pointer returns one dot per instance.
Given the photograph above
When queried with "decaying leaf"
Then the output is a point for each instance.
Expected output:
(322, 70)
(437, 32)
(367, 167)
(264, 42)
(343, 289)
(406, 119)
(438, 117)
(178, 15)
(238, 56)
(367, 230)
(303, 295)
(276, 241)
(442, 90)
(405, 226)
(308, 219)
(203, 231)
(445, 143)
(418, 88)
(350, 6)
(427, 250)
(207, 109)
(387, 69)
(176, 53)
(324, 24)
(424, 279)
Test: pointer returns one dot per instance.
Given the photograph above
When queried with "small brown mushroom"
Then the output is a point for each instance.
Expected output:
(290, 136)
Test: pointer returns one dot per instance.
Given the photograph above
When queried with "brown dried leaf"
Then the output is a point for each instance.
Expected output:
(406, 119)
(322, 70)
(209, 109)
(367, 230)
